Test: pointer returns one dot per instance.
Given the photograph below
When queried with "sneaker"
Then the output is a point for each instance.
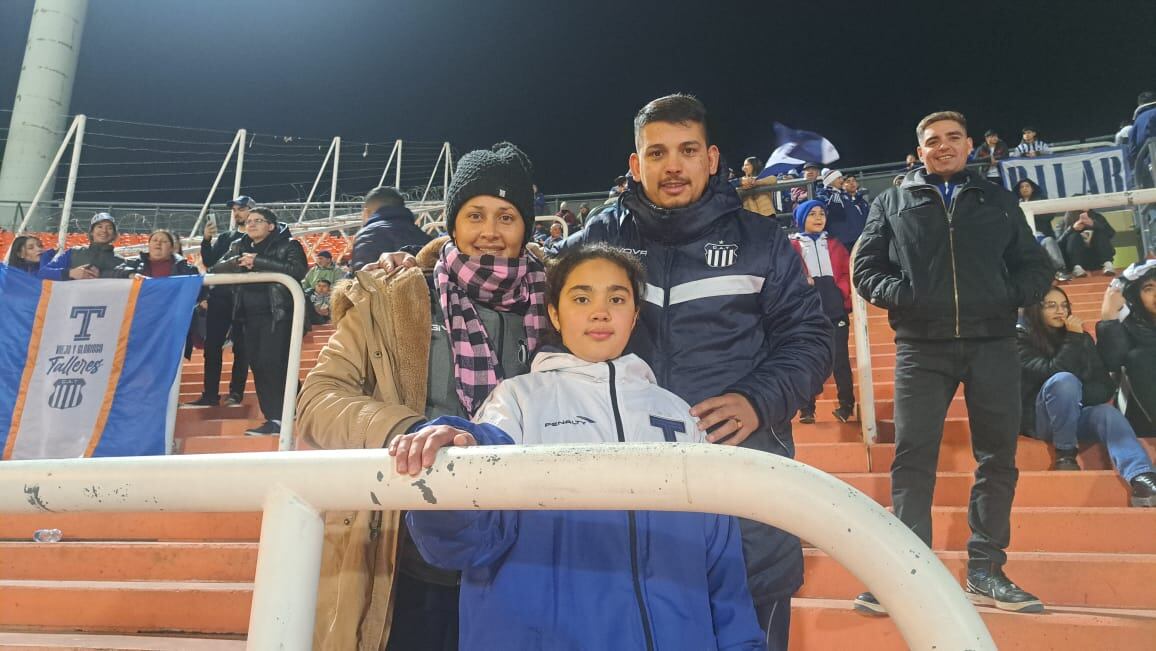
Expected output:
(1144, 489)
(1063, 276)
(807, 416)
(268, 428)
(1078, 271)
(201, 403)
(232, 400)
(993, 588)
(867, 604)
(1066, 460)
(1109, 270)
(844, 413)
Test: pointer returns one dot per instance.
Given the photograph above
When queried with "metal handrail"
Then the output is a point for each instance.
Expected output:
(926, 603)
(863, 365)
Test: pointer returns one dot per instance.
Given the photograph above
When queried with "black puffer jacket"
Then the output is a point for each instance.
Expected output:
(278, 253)
(1075, 354)
(950, 272)
(140, 265)
(1116, 339)
(391, 228)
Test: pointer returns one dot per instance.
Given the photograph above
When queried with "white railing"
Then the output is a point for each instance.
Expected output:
(866, 374)
(926, 603)
(1129, 198)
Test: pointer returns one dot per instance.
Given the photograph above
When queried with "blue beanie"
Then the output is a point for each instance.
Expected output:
(804, 208)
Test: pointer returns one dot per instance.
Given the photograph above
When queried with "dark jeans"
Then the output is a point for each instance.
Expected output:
(775, 620)
(927, 374)
(218, 321)
(841, 368)
(425, 616)
(268, 356)
(1088, 257)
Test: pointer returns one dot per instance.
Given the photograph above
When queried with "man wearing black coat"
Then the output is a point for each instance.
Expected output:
(951, 258)
(389, 226)
(266, 310)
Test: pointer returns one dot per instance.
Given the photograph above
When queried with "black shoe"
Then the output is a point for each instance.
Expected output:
(268, 428)
(1144, 489)
(867, 604)
(993, 588)
(202, 402)
(1066, 460)
(807, 416)
(233, 400)
(844, 413)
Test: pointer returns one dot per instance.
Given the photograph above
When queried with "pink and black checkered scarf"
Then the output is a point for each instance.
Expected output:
(502, 284)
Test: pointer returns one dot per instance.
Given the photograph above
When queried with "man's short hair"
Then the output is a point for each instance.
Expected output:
(266, 213)
(383, 197)
(322, 281)
(939, 116)
(678, 108)
(1146, 97)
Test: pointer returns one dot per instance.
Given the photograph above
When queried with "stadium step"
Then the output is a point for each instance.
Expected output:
(75, 641)
(225, 444)
(1089, 488)
(228, 527)
(128, 561)
(955, 455)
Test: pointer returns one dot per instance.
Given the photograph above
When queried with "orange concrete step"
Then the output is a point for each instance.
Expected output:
(128, 561)
(827, 432)
(127, 606)
(833, 457)
(1090, 488)
(1058, 529)
(223, 444)
(832, 624)
(215, 427)
(955, 455)
(135, 526)
(247, 410)
(1096, 580)
(78, 641)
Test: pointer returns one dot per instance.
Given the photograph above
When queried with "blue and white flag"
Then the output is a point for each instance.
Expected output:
(86, 366)
(795, 147)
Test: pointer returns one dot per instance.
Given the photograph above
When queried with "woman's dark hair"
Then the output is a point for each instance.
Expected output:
(173, 240)
(1043, 336)
(1037, 191)
(756, 164)
(266, 213)
(17, 247)
(560, 270)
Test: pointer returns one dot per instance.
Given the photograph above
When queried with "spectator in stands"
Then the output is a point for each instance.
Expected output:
(1027, 190)
(389, 226)
(539, 202)
(1126, 339)
(991, 152)
(802, 193)
(583, 213)
(84, 262)
(1143, 128)
(898, 180)
(410, 346)
(1086, 243)
(753, 200)
(856, 205)
(317, 299)
(220, 324)
(827, 266)
(843, 222)
(266, 310)
(954, 323)
(1123, 136)
(532, 576)
(911, 162)
(555, 236)
(323, 268)
(619, 186)
(1067, 395)
(28, 255)
(567, 215)
(161, 260)
(1031, 146)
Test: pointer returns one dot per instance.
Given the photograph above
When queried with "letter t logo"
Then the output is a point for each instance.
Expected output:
(86, 312)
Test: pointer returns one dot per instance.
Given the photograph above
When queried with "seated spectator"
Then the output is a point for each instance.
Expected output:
(28, 255)
(583, 213)
(555, 237)
(1045, 233)
(472, 314)
(1087, 243)
(1066, 392)
(911, 162)
(1126, 338)
(265, 310)
(85, 262)
(317, 301)
(389, 226)
(991, 152)
(828, 267)
(323, 268)
(541, 232)
(534, 576)
(1143, 128)
(1031, 146)
(567, 215)
(799, 194)
(161, 260)
(758, 202)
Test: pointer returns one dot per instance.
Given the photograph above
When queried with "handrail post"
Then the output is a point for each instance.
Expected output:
(237, 142)
(51, 174)
(70, 189)
(242, 137)
(862, 331)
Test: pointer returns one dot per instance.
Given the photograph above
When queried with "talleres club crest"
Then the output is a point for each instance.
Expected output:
(721, 254)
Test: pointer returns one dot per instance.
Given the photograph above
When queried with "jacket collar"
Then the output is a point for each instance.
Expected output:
(629, 369)
(919, 177)
(391, 214)
(1143, 107)
(686, 224)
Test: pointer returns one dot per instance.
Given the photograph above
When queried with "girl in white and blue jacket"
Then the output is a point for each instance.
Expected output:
(585, 579)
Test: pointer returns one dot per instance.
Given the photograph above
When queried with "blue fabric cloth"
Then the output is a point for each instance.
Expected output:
(1143, 128)
(547, 579)
(1062, 420)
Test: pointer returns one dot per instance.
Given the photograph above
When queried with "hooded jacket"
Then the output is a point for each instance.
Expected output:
(727, 310)
(955, 270)
(277, 253)
(140, 265)
(1143, 128)
(101, 256)
(391, 228)
(827, 263)
(1076, 354)
(540, 579)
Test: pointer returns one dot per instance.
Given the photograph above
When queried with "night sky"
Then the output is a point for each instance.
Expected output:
(563, 80)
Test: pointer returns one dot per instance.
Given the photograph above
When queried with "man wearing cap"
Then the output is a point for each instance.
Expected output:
(992, 151)
(799, 193)
(219, 314)
(322, 269)
(84, 262)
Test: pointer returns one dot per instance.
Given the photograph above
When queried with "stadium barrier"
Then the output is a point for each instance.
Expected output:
(292, 490)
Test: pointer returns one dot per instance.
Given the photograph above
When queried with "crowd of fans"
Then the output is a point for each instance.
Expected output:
(436, 338)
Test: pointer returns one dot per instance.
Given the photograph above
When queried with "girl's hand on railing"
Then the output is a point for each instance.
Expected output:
(414, 452)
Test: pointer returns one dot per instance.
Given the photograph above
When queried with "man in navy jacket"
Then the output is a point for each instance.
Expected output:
(729, 324)
(389, 227)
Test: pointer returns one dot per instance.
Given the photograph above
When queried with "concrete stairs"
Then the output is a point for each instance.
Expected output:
(184, 581)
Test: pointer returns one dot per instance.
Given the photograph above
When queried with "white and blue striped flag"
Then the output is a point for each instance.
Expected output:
(793, 147)
(86, 366)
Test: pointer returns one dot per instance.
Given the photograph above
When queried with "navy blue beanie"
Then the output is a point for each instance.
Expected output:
(804, 208)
